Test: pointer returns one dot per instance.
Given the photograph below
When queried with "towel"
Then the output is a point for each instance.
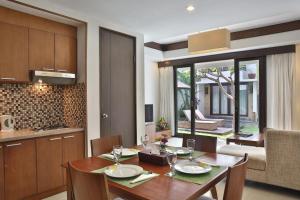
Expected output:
(143, 177)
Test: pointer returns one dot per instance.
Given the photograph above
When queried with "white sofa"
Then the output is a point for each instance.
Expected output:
(278, 163)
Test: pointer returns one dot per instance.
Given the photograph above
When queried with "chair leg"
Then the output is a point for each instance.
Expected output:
(214, 193)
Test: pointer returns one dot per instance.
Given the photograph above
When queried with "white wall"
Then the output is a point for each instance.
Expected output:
(93, 60)
(152, 56)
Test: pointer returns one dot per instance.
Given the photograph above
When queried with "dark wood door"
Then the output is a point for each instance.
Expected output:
(65, 53)
(117, 98)
(1, 173)
(20, 169)
(13, 53)
(73, 149)
(49, 163)
(41, 50)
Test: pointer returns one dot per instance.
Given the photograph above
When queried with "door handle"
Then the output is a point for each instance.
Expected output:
(104, 116)
(13, 145)
(53, 139)
(70, 136)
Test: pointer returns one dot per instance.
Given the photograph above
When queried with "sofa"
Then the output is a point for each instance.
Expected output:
(278, 163)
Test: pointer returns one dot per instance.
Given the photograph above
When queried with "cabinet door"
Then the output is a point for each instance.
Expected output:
(20, 169)
(13, 53)
(73, 148)
(1, 173)
(65, 53)
(49, 163)
(41, 50)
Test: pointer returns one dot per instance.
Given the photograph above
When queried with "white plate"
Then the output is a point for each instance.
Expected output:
(189, 167)
(128, 152)
(179, 151)
(123, 171)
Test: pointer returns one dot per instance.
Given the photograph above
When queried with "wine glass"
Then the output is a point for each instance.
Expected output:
(190, 143)
(117, 151)
(172, 159)
(145, 141)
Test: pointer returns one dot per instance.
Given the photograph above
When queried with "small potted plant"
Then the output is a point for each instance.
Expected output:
(162, 124)
(163, 142)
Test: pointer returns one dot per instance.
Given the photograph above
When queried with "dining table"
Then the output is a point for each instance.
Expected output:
(161, 187)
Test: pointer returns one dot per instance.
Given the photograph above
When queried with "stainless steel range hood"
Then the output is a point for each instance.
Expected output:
(59, 78)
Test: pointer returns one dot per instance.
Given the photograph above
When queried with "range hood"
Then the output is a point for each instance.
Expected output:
(58, 78)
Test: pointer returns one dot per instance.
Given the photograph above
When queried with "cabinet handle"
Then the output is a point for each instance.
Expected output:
(70, 136)
(0, 147)
(52, 139)
(6, 78)
(62, 70)
(13, 145)
(48, 69)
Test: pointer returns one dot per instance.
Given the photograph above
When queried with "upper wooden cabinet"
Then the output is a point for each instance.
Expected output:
(65, 53)
(20, 169)
(41, 50)
(13, 53)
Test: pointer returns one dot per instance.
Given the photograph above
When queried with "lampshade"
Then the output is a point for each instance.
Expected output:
(209, 41)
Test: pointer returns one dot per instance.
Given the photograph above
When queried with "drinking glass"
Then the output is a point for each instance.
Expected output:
(172, 159)
(117, 151)
(145, 141)
(190, 143)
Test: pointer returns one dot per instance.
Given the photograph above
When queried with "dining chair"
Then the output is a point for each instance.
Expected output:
(105, 144)
(202, 143)
(87, 185)
(235, 182)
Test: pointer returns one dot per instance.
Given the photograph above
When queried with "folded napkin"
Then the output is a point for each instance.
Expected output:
(109, 156)
(143, 177)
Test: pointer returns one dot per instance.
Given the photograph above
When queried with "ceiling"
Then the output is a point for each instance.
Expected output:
(167, 21)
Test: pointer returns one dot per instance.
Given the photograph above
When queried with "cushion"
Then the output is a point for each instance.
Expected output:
(257, 155)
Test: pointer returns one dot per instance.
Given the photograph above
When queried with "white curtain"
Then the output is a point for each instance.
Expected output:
(166, 85)
(280, 70)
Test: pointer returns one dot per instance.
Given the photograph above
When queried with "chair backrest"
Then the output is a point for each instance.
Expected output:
(235, 181)
(87, 185)
(105, 144)
(202, 143)
(199, 115)
(188, 115)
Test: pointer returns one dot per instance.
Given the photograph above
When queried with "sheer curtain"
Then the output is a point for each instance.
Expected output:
(279, 90)
(166, 83)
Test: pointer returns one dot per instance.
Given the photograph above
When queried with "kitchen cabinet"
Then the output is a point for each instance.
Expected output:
(73, 149)
(1, 173)
(13, 53)
(49, 163)
(20, 169)
(41, 50)
(65, 53)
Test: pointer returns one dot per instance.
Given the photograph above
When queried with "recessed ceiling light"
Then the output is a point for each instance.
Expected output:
(190, 8)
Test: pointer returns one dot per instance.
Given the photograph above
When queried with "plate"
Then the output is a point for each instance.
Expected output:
(128, 152)
(189, 167)
(123, 171)
(179, 151)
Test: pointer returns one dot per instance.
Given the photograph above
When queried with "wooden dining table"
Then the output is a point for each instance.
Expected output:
(161, 187)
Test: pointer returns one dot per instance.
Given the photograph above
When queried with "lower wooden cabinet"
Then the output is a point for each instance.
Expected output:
(49, 163)
(33, 168)
(20, 169)
(73, 149)
(1, 173)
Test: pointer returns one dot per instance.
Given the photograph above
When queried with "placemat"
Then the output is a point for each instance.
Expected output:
(120, 160)
(124, 181)
(196, 154)
(200, 178)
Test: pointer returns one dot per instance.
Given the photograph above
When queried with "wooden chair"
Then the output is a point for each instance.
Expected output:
(235, 182)
(87, 185)
(203, 143)
(105, 144)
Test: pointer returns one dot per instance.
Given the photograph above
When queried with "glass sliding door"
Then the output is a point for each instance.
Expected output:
(183, 103)
(249, 96)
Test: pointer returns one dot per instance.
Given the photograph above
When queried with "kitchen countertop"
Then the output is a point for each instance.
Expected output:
(8, 136)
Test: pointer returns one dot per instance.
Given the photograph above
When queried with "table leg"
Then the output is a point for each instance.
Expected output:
(214, 193)
(69, 186)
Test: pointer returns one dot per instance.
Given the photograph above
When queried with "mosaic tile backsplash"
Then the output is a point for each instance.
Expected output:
(34, 105)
